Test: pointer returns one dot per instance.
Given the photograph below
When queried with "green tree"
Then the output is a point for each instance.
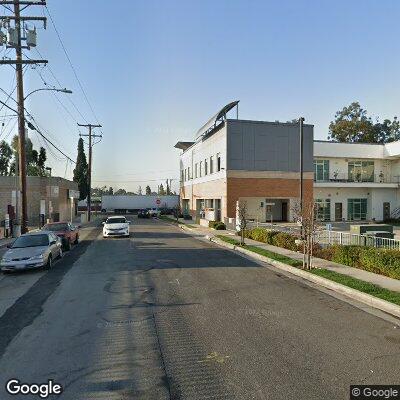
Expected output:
(110, 191)
(148, 190)
(161, 190)
(81, 171)
(352, 124)
(5, 158)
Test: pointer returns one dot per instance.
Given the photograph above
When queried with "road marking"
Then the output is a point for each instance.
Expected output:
(215, 357)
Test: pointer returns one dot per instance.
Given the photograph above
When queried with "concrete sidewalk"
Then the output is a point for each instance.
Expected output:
(380, 280)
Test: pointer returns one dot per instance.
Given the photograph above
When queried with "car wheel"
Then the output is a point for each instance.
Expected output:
(49, 262)
(76, 239)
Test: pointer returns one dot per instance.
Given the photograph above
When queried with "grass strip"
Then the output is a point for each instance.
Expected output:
(354, 283)
(263, 252)
(362, 286)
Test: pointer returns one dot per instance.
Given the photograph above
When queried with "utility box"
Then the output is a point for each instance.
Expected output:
(31, 37)
(365, 229)
(12, 37)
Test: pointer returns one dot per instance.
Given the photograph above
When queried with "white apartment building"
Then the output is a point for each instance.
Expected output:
(356, 181)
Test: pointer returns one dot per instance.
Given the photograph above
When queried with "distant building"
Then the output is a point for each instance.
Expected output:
(52, 197)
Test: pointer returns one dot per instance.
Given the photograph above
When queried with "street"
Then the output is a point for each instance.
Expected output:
(164, 315)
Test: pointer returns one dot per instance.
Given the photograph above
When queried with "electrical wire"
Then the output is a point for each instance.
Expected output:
(71, 65)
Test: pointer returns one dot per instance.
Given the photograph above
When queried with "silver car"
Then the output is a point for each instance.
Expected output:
(32, 250)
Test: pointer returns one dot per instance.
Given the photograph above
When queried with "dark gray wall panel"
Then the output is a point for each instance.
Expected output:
(267, 146)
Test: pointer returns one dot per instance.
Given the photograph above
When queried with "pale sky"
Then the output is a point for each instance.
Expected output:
(157, 71)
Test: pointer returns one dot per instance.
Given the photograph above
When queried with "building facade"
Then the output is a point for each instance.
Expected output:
(356, 181)
(52, 197)
(254, 161)
(258, 161)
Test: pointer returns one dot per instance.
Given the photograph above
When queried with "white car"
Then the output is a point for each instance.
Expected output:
(153, 212)
(116, 226)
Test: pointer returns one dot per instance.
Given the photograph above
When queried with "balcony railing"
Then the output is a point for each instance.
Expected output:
(342, 177)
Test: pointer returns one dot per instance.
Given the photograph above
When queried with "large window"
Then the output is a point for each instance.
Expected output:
(189, 177)
(195, 170)
(205, 167)
(323, 209)
(321, 170)
(201, 168)
(361, 171)
(356, 209)
(211, 164)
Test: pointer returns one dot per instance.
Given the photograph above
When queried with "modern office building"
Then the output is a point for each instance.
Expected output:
(255, 161)
(258, 161)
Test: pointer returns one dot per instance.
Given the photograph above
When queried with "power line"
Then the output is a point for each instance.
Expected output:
(71, 65)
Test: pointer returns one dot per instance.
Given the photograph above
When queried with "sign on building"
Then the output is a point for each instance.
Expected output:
(73, 194)
(53, 191)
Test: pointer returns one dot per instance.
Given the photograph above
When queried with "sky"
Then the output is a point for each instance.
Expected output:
(155, 70)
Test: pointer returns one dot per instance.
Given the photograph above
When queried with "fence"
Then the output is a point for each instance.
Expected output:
(325, 237)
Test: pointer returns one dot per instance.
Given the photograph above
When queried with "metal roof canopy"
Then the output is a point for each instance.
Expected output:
(219, 117)
(183, 145)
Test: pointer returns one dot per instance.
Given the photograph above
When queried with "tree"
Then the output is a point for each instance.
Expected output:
(168, 190)
(81, 171)
(161, 190)
(5, 158)
(110, 191)
(140, 191)
(148, 190)
(241, 215)
(120, 192)
(352, 124)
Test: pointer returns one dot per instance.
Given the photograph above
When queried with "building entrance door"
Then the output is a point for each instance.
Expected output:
(284, 212)
(386, 210)
(338, 212)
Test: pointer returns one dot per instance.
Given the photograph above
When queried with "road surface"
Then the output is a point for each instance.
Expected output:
(163, 315)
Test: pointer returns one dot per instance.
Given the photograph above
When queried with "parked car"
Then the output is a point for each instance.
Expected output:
(68, 233)
(32, 250)
(153, 212)
(143, 214)
(116, 226)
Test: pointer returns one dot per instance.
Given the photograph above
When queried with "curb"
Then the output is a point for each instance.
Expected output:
(365, 298)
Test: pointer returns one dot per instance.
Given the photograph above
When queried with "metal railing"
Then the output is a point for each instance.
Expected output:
(344, 177)
(325, 237)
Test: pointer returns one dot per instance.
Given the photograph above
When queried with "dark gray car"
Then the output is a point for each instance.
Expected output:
(32, 250)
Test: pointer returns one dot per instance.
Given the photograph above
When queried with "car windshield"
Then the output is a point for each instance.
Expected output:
(116, 221)
(56, 227)
(30, 241)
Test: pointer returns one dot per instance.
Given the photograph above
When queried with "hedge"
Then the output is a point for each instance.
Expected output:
(217, 225)
(380, 261)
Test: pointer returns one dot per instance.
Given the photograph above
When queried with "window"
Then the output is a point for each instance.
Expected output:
(201, 168)
(218, 162)
(195, 170)
(211, 165)
(321, 170)
(182, 176)
(361, 171)
(356, 209)
(185, 177)
(209, 203)
(205, 167)
(189, 173)
(323, 209)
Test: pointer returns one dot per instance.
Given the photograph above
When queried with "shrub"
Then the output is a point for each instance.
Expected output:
(381, 261)
(347, 255)
(285, 240)
(211, 224)
(326, 253)
(219, 226)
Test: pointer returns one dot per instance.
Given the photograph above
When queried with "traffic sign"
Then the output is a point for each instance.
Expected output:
(158, 202)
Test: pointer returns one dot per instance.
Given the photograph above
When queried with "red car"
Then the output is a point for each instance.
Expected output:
(68, 233)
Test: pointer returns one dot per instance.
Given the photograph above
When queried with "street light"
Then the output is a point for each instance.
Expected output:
(50, 90)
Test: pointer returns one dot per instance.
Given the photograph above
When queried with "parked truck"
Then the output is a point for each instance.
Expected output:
(132, 204)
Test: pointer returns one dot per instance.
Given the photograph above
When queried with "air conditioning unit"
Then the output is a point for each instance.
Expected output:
(12, 37)
(31, 37)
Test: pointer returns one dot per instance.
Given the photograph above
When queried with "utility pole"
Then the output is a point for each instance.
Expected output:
(15, 41)
(90, 136)
(301, 120)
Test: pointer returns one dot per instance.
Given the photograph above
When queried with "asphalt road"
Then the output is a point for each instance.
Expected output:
(163, 315)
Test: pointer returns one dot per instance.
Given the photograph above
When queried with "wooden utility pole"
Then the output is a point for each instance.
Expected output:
(19, 62)
(89, 180)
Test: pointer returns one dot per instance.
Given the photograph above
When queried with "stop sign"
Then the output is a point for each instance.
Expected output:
(158, 202)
